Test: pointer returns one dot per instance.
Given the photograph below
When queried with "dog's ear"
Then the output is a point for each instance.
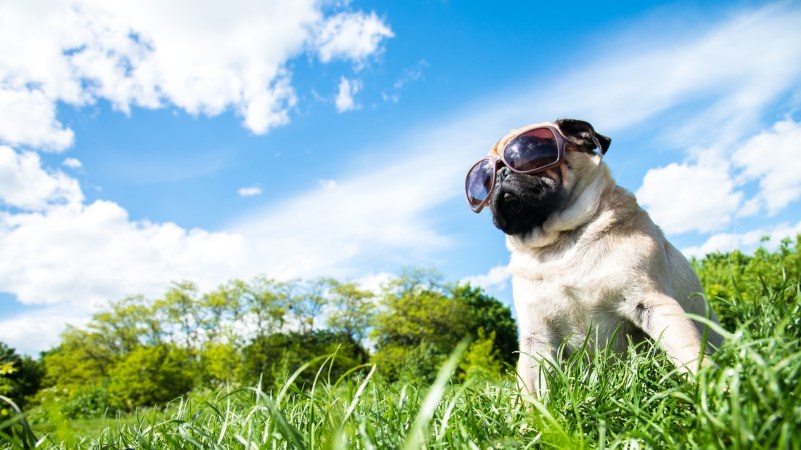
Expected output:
(583, 135)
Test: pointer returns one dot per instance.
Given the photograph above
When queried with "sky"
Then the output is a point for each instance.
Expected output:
(148, 142)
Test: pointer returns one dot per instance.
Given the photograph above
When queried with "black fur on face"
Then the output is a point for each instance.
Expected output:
(522, 202)
(583, 135)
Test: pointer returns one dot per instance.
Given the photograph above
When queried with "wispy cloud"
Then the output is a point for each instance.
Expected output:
(251, 191)
(409, 76)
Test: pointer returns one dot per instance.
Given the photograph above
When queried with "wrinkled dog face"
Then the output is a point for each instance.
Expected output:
(521, 203)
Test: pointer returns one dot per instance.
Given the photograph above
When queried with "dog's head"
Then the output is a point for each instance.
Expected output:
(522, 202)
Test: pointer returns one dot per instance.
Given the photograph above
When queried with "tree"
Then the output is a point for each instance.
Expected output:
(180, 309)
(151, 375)
(224, 308)
(352, 309)
(489, 314)
(418, 325)
(129, 323)
(220, 363)
(83, 358)
(271, 359)
(307, 300)
(422, 319)
(482, 359)
(267, 303)
(20, 376)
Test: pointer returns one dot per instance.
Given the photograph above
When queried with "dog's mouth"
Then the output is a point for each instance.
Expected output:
(521, 202)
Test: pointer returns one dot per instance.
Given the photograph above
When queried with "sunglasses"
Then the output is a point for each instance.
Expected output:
(534, 150)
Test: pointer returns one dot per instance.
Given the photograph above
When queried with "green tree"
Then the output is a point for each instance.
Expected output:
(417, 325)
(267, 302)
(20, 376)
(82, 358)
(151, 374)
(223, 309)
(307, 300)
(482, 359)
(221, 363)
(275, 357)
(127, 324)
(738, 285)
(180, 310)
(488, 313)
(421, 319)
(352, 309)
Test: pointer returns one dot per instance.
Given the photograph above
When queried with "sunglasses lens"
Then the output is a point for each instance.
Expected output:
(479, 182)
(532, 150)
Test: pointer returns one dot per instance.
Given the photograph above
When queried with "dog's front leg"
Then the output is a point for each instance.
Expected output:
(536, 352)
(664, 320)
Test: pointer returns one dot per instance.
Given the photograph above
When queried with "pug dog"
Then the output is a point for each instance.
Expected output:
(586, 261)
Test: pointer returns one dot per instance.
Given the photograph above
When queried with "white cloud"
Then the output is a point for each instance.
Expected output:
(706, 195)
(685, 197)
(353, 36)
(497, 278)
(746, 242)
(25, 185)
(28, 117)
(347, 89)
(35, 331)
(88, 254)
(72, 163)
(327, 184)
(249, 191)
(204, 58)
(774, 158)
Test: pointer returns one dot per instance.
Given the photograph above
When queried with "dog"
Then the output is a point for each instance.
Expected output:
(586, 260)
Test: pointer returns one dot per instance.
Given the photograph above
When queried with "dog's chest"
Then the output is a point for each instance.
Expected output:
(564, 298)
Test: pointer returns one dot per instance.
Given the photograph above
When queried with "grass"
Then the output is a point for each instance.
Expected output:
(750, 399)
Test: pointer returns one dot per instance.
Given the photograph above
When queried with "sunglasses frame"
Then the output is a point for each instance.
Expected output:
(495, 160)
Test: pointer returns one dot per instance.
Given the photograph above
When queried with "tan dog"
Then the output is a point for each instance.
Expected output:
(585, 258)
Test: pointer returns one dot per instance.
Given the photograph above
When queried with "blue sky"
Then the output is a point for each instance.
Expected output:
(142, 144)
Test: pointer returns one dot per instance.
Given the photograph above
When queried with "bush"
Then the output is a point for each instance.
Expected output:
(151, 375)
(271, 359)
(91, 401)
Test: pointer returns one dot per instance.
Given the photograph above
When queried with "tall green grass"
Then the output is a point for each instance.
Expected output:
(751, 398)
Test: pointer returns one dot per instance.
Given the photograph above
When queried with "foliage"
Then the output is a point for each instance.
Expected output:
(90, 401)
(736, 277)
(220, 364)
(152, 374)
(20, 377)
(417, 326)
(488, 314)
(353, 309)
(482, 359)
(422, 320)
(272, 358)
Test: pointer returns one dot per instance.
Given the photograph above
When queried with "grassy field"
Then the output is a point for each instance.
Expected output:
(750, 399)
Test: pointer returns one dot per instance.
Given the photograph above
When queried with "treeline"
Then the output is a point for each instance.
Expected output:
(142, 351)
